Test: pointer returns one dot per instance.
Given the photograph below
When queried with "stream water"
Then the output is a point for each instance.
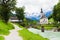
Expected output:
(47, 34)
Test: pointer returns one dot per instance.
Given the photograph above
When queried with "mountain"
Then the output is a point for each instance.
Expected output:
(37, 18)
(48, 13)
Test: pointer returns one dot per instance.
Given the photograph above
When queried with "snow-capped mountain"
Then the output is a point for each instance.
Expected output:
(36, 16)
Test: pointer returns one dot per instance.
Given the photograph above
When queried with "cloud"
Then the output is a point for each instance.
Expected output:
(32, 7)
(35, 5)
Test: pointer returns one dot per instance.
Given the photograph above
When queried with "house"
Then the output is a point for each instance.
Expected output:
(13, 19)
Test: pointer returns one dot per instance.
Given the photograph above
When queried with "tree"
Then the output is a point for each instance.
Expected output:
(50, 16)
(5, 9)
(20, 13)
(56, 12)
(4, 12)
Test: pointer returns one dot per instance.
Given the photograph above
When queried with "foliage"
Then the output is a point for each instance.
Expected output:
(56, 12)
(30, 36)
(8, 3)
(4, 13)
(5, 9)
(51, 20)
(25, 22)
(20, 13)
(48, 26)
(50, 16)
(29, 22)
(19, 25)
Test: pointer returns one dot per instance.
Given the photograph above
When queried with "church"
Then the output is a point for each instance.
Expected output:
(43, 18)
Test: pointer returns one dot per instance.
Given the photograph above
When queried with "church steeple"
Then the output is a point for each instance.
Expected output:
(42, 14)
(43, 18)
(41, 10)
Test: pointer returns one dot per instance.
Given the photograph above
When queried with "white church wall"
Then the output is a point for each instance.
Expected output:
(44, 21)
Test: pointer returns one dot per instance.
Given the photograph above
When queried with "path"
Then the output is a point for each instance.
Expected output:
(14, 34)
(47, 34)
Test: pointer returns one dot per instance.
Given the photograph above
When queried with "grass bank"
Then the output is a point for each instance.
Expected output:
(1, 38)
(46, 26)
(4, 28)
(29, 35)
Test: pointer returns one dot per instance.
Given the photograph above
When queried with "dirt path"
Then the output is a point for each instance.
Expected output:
(14, 34)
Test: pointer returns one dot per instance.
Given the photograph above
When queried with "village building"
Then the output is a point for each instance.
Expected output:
(43, 18)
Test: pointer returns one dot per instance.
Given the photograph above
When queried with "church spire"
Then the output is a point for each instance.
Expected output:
(41, 10)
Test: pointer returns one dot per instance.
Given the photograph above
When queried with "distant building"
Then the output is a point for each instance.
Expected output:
(43, 18)
(14, 19)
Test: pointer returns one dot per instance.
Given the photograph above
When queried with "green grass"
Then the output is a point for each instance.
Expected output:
(29, 35)
(1, 38)
(48, 26)
(4, 28)
(51, 20)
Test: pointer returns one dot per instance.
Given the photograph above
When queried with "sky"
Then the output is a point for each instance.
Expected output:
(33, 7)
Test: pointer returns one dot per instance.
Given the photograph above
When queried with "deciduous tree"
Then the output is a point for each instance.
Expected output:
(5, 9)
